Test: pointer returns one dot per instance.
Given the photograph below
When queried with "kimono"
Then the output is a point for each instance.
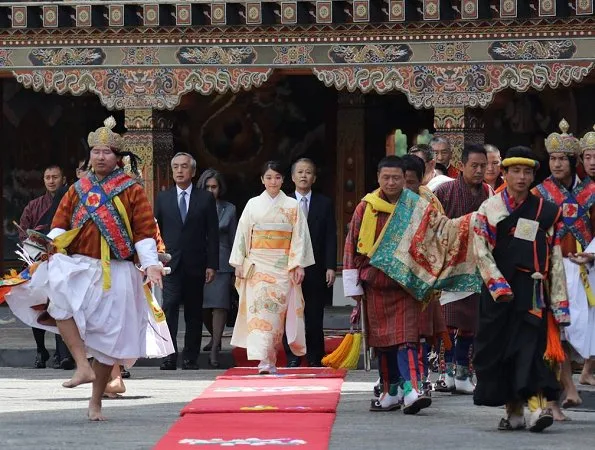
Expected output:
(100, 229)
(272, 238)
(458, 199)
(512, 337)
(576, 234)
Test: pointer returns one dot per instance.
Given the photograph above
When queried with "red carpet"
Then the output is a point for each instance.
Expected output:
(296, 407)
(241, 359)
(269, 430)
(268, 395)
(296, 372)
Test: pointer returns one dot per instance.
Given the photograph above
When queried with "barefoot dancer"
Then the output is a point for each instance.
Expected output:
(576, 198)
(104, 224)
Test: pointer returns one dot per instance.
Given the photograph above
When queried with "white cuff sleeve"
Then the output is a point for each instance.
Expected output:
(351, 285)
(55, 232)
(147, 253)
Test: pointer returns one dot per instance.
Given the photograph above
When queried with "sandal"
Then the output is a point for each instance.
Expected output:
(545, 419)
(505, 425)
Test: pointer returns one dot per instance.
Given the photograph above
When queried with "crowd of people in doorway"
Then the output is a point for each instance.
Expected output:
(475, 263)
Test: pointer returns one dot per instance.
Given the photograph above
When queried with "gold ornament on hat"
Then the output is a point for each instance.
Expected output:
(104, 136)
(562, 142)
(587, 142)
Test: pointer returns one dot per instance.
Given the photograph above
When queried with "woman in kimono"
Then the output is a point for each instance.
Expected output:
(270, 250)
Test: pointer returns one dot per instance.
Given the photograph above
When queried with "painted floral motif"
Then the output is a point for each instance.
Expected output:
(5, 55)
(140, 56)
(532, 50)
(66, 56)
(370, 53)
(295, 54)
(450, 51)
(216, 55)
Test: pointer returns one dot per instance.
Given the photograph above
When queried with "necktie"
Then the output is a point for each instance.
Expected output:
(182, 206)
(304, 204)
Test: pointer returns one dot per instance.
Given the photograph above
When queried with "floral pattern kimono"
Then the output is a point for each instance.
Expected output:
(272, 239)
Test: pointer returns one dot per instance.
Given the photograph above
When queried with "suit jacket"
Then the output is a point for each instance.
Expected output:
(323, 233)
(194, 243)
(228, 223)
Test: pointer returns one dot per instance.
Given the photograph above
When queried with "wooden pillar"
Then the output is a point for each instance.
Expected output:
(350, 160)
(149, 136)
(461, 126)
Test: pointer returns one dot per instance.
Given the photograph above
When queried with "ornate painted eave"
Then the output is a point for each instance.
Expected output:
(434, 61)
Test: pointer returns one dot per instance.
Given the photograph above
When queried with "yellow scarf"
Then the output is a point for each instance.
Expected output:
(367, 232)
(585, 279)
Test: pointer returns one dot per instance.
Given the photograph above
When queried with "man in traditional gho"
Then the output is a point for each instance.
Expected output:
(523, 299)
(460, 197)
(587, 351)
(432, 327)
(96, 295)
(392, 313)
(576, 198)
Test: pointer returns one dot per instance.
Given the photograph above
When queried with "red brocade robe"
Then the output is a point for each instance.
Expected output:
(392, 313)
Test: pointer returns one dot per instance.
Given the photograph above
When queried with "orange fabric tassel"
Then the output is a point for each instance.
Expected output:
(554, 351)
(446, 340)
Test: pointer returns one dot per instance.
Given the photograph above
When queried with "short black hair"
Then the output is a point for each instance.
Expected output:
(393, 162)
(303, 160)
(207, 175)
(415, 164)
(273, 165)
(473, 148)
(425, 150)
(53, 166)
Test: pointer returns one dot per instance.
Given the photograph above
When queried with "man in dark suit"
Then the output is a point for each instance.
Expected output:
(187, 218)
(321, 276)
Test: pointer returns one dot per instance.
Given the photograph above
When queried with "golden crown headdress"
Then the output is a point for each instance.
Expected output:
(105, 136)
(587, 142)
(562, 142)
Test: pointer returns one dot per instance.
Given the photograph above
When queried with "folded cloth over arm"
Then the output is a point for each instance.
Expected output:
(413, 254)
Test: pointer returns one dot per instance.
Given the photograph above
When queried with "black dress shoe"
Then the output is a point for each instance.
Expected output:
(315, 363)
(124, 373)
(56, 364)
(168, 364)
(67, 364)
(41, 358)
(189, 365)
(293, 362)
(213, 363)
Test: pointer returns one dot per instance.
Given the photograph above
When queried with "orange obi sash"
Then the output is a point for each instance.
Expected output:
(271, 239)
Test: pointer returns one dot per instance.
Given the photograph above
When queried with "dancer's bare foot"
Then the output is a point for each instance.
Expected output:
(587, 379)
(559, 416)
(112, 395)
(95, 412)
(572, 401)
(81, 376)
(116, 386)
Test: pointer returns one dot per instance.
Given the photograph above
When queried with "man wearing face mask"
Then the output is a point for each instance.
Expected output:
(323, 231)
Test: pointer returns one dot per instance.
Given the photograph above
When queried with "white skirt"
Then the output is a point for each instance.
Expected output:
(117, 325)
(581, 331)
